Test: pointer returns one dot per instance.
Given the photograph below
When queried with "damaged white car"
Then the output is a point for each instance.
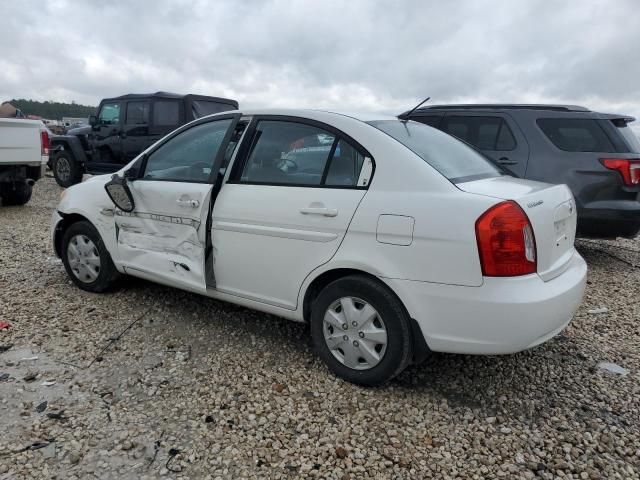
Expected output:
(390, 238)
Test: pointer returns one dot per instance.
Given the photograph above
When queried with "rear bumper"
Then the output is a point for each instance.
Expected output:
(610, 219)
(504, 315)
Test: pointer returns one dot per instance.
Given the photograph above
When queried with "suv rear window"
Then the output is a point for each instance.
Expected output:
(486, 133)
(576, 134)
(452, 158)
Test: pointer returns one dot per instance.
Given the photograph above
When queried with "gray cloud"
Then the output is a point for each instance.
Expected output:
(364, 55)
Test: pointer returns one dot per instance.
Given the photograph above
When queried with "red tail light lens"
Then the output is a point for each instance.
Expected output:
(506, 243)
(628, 168)
(44, 142)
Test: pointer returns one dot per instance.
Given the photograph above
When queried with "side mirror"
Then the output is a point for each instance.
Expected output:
(119, 193)
(93, 120)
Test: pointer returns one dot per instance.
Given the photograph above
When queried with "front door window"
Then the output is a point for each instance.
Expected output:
(110, 114)
(189, 156)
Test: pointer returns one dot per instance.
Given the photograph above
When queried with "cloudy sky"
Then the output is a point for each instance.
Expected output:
(348, 55)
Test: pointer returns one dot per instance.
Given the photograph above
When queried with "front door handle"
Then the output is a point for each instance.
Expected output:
(327, 212)
(506, 161)
(188, 202)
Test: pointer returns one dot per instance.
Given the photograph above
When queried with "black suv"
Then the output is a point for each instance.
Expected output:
(124, 127)
(596, 154)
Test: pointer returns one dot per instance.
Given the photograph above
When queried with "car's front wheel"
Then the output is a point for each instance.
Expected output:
(66, 169)
(86, 259)
(361, 330)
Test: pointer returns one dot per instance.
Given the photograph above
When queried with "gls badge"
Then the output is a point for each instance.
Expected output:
(535, 204)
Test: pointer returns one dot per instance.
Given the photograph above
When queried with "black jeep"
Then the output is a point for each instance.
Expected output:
(124, 127)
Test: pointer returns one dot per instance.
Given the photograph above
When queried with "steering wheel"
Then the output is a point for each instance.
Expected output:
(287, 165)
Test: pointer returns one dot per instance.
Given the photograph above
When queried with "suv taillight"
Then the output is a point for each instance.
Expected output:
(506, 243)
(628, 168)
(44, 142)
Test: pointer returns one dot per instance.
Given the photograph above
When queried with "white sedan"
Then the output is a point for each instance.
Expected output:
(390, 238)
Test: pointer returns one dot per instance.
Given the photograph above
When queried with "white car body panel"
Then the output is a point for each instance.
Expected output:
(259, 230)
(165, 235)
(20, 142)
(266, 252)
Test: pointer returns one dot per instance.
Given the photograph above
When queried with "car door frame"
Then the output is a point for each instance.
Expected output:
(139, 138)
(249, 139)
(215, 179)
(499, 157)
(243, 152)
(99, 142)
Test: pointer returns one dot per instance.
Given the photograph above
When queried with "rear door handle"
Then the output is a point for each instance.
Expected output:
(188, 203)
(327, 212)
(506, 161)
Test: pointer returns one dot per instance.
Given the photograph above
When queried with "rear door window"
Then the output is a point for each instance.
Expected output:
(166, 113)
(484, 132)
(137, 113)
(576, 134)
(297, 154)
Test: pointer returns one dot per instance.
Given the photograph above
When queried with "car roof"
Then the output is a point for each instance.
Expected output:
(523, 107)
(504, 106)
(322, 115)
(177, 96)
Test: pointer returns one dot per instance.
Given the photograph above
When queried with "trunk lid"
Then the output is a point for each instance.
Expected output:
(551, 210)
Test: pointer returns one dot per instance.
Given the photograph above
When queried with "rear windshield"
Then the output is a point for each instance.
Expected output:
(630, 138)
(452, 158)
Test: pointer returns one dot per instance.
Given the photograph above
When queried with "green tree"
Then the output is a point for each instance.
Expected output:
(53, 110)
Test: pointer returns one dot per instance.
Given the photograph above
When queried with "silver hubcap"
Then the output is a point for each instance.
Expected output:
(355, 333)
(63, 168)
(83, 258)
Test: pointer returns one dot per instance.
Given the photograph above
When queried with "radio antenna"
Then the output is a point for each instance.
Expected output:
(408, 114)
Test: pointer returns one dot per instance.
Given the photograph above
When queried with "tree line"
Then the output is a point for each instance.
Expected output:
(53, 110)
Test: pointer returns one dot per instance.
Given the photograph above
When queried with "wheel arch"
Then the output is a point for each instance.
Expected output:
(420, 349)
(71, 143)
(68, 219)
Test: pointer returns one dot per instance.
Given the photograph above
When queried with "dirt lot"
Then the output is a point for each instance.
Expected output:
(201, 389)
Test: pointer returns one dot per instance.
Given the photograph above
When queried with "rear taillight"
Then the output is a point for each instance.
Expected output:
(44, 142)
(628, 168)
(506, 243)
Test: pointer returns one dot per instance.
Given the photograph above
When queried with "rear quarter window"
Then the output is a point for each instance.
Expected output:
(454, 159)
(576, 134)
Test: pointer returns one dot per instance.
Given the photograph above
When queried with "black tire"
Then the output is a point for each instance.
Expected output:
(396, 320)
(66, 169)
(107, 274)
(16, 193)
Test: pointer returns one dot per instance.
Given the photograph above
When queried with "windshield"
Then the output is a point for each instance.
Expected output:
(452, 158)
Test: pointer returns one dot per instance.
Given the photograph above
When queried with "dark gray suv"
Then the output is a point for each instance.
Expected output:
(596, 154)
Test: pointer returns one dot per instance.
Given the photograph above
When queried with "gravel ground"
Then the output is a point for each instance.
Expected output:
(201, 389)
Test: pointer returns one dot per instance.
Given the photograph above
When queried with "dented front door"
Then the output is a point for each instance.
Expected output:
(164, 239)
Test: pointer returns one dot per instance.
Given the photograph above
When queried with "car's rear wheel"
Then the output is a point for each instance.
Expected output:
(86, 258)
(361, 330)
(16, 193)
(66, 169)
